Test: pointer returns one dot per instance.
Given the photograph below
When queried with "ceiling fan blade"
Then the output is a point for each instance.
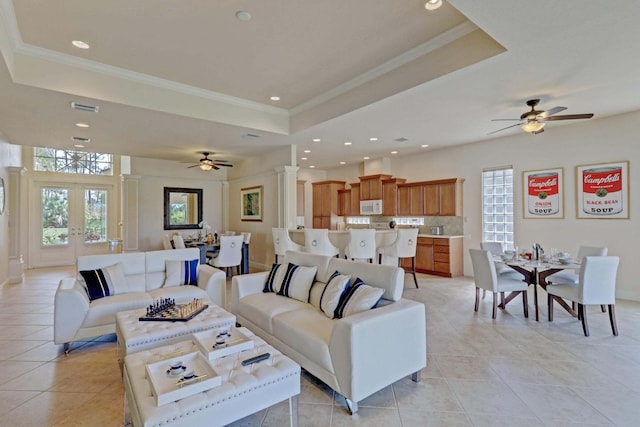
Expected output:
(194, 166)
(216, 167)
(569, 117)
(537, 132)
(504, 120)
(223, 164)
(551, 112)
(508, 127)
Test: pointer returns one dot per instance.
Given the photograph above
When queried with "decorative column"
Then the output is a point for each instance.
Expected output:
(287, 207)
(14, 211)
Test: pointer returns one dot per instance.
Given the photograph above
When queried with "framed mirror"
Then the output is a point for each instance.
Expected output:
(182, 208)
(1, 196)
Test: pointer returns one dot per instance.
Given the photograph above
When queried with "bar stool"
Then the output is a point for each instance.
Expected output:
(404, 247)
(362, 244)
(316, 241)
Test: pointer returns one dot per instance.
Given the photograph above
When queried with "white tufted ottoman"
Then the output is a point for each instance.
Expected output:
(134, 335)
(244, 389)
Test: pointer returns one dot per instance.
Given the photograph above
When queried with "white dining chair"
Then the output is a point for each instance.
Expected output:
(485, 276)
(362, 244)
(403, 247)
(282, 243)
(247, 237)
(166, 242)
(316, 241)
(502, 269)
(573, 277)
(596, 286)
(178, 242)
(230, 254)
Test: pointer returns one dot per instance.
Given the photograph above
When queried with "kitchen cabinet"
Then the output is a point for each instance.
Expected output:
(325, 203)
(411, 199)
(390, 196)
(344, 202)
(441, 256)
(371, 186)
(443, 197)
(355, 198)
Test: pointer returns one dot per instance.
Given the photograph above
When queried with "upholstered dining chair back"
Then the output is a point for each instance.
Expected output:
(282, 242)
(495, 248)
(316, 241)
(166, 242)
(584, 251)
(178, 241)
(247, 237)
(484, 270)
(403, 247)
(571, 276)
(230, 254)
(362, 244)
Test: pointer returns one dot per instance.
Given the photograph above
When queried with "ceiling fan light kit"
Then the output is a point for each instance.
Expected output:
(433, 4)
(532, 126)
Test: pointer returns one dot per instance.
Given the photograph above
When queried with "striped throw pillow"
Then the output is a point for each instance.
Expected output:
(274, 279)
(334, 289)
(297, 282)
(181, 272)
(105, 281)
(358, 297)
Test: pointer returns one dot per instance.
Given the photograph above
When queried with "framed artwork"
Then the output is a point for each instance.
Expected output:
(543, 193)
(602, 190)
(251, 203)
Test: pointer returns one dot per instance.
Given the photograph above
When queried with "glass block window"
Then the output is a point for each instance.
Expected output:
(72, 161)
(497, 206)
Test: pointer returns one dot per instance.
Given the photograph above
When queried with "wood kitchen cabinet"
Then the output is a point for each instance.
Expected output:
(438, 256)
(411, 199)
(355, 198)
(371, 186)
(443, 197)
(325, 203)
(344, 202)
(390, 196)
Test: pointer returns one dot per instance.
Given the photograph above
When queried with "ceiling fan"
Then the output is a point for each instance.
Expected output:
(206, 164)
(533, 121)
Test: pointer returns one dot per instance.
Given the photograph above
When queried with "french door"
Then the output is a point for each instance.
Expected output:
(67, 220)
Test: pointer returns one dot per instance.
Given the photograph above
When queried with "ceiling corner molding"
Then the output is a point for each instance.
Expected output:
(443, 39)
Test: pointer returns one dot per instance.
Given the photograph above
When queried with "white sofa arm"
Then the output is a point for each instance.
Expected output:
(214, 283)
(372, 349)
(246, 284)
(71, 305)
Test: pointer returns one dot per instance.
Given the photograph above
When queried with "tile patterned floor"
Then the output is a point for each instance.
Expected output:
(481, 372)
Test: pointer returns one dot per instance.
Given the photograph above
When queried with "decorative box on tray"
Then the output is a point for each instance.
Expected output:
(181, 376)
(211, 345)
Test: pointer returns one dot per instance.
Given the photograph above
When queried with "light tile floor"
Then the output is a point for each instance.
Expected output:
(510, 371)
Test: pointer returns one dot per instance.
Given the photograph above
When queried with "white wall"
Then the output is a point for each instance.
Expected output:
(594, 141)
(9, 156)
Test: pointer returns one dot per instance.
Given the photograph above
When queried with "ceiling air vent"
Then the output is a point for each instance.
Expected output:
(80, 139)
(401, 139)
(85, 107)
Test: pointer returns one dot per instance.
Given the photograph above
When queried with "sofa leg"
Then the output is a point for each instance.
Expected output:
(66, 347)
(351, 406)
(416, 376)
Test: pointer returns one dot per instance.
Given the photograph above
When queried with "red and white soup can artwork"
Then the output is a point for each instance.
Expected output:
(543, 193)
(602, 191)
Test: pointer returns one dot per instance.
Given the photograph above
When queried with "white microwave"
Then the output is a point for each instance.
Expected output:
(370, 207)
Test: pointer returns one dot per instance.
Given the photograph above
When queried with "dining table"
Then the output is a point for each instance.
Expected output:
(536, 273)
(214, 248)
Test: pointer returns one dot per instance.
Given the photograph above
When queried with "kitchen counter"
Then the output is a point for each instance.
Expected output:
(440, 236)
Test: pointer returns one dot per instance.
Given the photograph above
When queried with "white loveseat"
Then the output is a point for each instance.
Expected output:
(76, 317)
(356, 355)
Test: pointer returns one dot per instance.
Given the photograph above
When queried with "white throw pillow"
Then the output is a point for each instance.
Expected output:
(181, 272)
(297, 282)
(274, 278)
(332, 293)
(359, 297)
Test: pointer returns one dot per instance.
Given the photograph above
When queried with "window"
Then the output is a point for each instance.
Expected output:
(497, 206)
(71, 161)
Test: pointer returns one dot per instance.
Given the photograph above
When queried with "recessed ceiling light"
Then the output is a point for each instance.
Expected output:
(424, 145)
(343, 163)
(82, 125)
(312, 166)
(78, 145)
(307, 151)
(373, 139)
(275, 98)
(316, 139)
(347, 143)
(366, 157)
(394, 152)
(243, 16)
(80, 44)
(303, 158)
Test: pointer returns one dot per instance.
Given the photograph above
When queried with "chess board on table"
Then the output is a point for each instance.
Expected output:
(166, 310)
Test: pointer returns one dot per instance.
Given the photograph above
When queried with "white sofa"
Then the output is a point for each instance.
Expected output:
(356, 355)
(76, 317)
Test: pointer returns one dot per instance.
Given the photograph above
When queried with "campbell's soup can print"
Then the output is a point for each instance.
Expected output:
(543, 198)
(602, 191)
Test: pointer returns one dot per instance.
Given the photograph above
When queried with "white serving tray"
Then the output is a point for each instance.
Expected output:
(167, 388)
(206, 340)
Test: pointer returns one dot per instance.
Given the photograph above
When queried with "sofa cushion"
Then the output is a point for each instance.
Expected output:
(297, 282)
(308, 332)
(359, 297)
(103, 311)
(181, 272)
(332, 293)
(182, 294)
(274, 278)
(321, 262)
(154, 262)
(261, 308)
(103, 282)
